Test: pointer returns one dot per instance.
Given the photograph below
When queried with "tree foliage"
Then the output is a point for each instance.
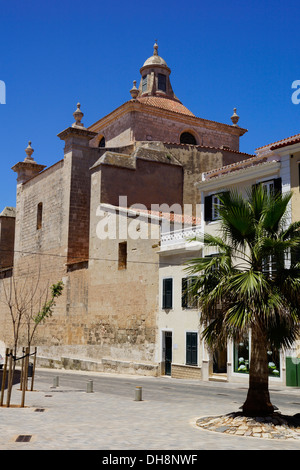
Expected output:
(47, 308)
(252, 283)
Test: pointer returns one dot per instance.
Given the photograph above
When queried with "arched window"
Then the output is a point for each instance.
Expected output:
(39, 219)
(187, 138)
(102, 142)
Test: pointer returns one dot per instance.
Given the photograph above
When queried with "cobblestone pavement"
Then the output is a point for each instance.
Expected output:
(277, 426)
(68, 418)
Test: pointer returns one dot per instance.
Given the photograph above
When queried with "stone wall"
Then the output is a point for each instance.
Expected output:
(169, 129)
(150, 183)
(186, 372)
(134, 121)
(7, 237)
(123, 302)
(51, 189)
(196, 160)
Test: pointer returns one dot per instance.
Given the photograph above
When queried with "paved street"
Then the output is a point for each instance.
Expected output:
(67, 417)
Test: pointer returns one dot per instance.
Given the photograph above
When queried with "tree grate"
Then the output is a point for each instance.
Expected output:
(24, 438)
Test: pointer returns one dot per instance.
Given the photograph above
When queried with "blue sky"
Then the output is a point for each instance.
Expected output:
(223, 54)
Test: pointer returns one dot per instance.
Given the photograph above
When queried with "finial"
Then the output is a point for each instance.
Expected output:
(234, 118)
(29, 151)
(134, 91)
(155, 52)
(78, 115)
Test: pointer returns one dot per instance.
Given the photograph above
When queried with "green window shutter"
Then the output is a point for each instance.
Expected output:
(144, 83)
(167, 293)
(208, 208)
(191, 349)
(278, 185)
(254, 186)
(295, 255)
(187, 298)
(184, 294)
(162, 82)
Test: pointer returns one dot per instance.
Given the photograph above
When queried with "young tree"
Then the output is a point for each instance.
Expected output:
(34, 318)
(29, 302)
(252, 284)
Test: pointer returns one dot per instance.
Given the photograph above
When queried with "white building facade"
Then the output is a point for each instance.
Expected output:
(182, 352)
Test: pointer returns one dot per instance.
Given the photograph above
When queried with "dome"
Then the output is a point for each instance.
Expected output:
(155, 59)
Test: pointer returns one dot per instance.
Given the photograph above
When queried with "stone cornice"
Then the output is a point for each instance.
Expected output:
(28, 166)
(76, 131)
(135, 105)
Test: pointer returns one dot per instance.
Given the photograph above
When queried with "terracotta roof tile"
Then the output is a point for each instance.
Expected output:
(171, 216)
(243, 164)
(251, 155)
(285, 144)
(287, 141)
(165, 103)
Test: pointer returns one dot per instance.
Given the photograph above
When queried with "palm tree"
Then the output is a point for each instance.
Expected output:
(252, 284)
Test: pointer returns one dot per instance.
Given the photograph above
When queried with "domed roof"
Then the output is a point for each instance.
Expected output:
(155, 59)
(165, 103)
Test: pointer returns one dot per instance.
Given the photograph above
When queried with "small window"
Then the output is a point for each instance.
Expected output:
(271, 186)
(122, 263)
(216, 203)
(212, 206)
(267, 266)
(215, 265)
(39, 221)
(162, 82)
(192, 348)
(273, 264)
(102, 142)
(187, 299)
(144, 83)
(167, 300)
(187, 138)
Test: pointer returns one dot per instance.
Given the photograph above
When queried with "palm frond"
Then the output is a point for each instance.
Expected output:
(248, 281)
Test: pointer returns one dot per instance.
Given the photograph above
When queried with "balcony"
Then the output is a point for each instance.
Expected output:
(179, 240)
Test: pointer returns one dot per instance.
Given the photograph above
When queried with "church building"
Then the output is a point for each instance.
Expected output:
(75, 221)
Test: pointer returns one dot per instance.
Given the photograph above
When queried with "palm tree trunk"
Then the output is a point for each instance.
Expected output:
(258, 398)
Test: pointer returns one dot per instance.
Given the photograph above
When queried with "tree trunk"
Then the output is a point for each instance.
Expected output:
(258, 399)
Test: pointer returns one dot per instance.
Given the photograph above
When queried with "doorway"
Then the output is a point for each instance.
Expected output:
(168, 352)
(220, 361)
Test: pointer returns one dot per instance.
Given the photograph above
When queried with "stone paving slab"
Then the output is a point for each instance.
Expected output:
(75, 420)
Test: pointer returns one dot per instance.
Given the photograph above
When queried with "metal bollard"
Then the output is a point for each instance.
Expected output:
(30, 369)
(138, 394)
(89, 387)
(56, 382)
